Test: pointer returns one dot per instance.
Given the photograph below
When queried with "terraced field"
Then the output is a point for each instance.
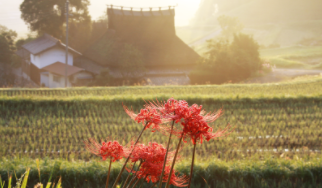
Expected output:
(270, 120)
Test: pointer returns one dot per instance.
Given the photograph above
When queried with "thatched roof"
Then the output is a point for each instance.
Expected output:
(152, 32)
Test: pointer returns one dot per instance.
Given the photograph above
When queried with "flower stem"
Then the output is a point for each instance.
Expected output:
(134, 177)
(166, 156)
(132, 181)
(136, 183)
(108, 174)
(192, 164)
(143, 181)
(128, 177)
(153, 184)
(137, 140)
(173, 162)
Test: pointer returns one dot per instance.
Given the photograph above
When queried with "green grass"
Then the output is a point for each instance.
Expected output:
(294, 57)
(291, 51)
(306, 88)
(217, 173)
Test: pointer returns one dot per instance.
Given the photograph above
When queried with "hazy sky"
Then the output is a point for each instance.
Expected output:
(10, 13)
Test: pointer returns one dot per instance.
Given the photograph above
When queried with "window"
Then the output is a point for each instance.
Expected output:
(56, 78)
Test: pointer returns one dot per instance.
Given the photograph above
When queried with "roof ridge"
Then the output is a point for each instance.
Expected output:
(48, 36)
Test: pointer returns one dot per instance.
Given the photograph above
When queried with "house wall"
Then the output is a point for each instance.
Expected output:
(54, 84)
(82, 78)
(49, 57)
(44, 79)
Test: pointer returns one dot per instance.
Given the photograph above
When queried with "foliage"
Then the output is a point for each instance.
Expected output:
(103, 79)
(99, 27)
(23, 41)
(217, 173)
(7, 44)
(80, 32)
(227, 61)
(49, 16)
(229, 26)
(7, 55)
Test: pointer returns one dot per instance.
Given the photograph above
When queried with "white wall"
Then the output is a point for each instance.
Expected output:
(50, 56)
(44, 78)
(54, 84)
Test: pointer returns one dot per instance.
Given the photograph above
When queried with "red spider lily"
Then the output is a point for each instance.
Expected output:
(195, 125)
(149, 116)
(152, 158)
(153, 152)
(151, 172)
(195, 121)
(107, 150)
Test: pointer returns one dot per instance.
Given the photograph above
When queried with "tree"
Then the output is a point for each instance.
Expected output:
(99, 27)
(48, 16)
(7, 44)
(228, 61)
(7, 53)
(229, 25)
(80, 33)
(23, 41)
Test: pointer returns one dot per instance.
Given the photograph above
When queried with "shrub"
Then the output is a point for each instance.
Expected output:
(225, 61)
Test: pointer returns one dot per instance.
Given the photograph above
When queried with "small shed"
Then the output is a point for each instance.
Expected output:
(53, 75)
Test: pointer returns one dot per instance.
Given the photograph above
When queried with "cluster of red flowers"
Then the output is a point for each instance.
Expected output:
(193, 124)
(147, 115)
(193, 119)
(152, 158)
(107, 150)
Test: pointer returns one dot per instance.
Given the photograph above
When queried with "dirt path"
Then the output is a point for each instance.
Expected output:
(278, 75)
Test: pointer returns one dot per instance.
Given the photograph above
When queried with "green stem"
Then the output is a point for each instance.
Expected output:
(128, 177)
(173, 162)
(137, 140)
(166, 155)
(192, 164)
(108, 174)
(134, 177)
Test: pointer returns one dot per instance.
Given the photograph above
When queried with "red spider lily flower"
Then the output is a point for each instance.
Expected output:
(153, 152)
(175, 110)
(151, 172)
(152, 158)
(148, 115)
(107, 150)
(195, 125)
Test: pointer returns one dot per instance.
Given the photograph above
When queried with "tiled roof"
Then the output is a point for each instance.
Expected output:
(59, 68)
(44, 43)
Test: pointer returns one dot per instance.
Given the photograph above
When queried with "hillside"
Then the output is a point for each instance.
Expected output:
(283, 22)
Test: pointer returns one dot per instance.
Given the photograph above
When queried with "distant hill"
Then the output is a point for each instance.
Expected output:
(259, 11)
(282, 22)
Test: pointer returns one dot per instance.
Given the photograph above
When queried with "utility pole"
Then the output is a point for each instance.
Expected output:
(66, 58)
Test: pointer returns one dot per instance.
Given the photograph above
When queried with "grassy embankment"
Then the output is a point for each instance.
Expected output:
(294, 57)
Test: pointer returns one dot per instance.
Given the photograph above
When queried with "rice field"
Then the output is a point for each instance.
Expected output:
(271, 120)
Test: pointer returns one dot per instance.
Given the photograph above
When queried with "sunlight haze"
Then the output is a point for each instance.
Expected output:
(10, 13)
